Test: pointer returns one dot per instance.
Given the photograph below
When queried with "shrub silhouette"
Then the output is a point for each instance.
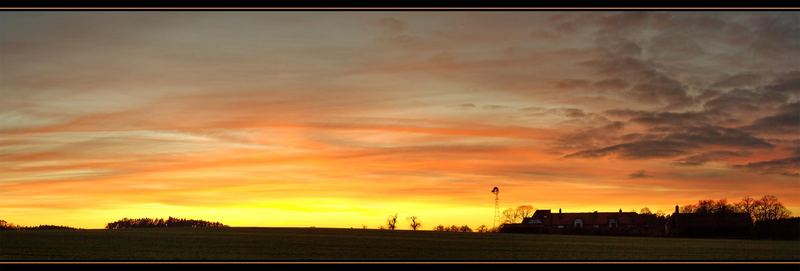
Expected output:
(453, 228)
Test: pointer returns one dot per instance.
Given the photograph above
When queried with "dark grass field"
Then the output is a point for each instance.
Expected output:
(291, 244)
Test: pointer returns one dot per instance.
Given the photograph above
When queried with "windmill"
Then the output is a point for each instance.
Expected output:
(496, 192)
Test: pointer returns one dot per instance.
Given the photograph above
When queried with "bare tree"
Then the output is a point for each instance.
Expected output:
(768, 208)
(709, 206)
(705, 206)
(747, 205)
(440, 228)
(413, 221)
(391, 222)
(512, 216)
(509, 216)
(722, 206)
(465, 228)
(482, 228)
(524, 211)
(687, 209)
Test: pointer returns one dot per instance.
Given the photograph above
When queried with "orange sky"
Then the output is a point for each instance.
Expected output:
(340, 119)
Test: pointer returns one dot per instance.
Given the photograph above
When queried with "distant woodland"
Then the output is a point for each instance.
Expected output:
(126, 223)
(170, 222)
(4, 225)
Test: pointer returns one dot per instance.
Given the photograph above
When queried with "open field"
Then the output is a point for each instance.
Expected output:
(357, 244)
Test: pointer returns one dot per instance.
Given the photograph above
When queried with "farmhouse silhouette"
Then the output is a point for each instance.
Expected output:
(716, 224)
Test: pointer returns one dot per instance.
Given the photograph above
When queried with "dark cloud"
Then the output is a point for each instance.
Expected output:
(787, 83)
(612, 84)
(715, 135)
(786, 121)
(654, 68)
(494, 107)
(467, 106)
(738, 81)
(787, 166)
(745, 101)
(687, 118)
(638, 136)
(706, 95)
(573, 116)
(775, 36)
(671, 43)
(661, 89)
(675, 142)
(620, 47)
(651, 85)
(627, 113)
(618, 24)
(590, 137)
(573, 83)
(644, 149)
(639, 174)
(699, 159)
(574, 113)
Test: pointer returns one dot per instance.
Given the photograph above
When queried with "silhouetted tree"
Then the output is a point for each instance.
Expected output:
(766, 208)
(7, 226)
(645, 211)
(391, 222)
(708, 206)
(512, 216)
(482, 228)
(509, 216)
(690, 208)
(48, 227)
(747, 205)
(769, 208)
(464, 228)
(524, 211)
(440, 228)
(157, 223)
(413, 221)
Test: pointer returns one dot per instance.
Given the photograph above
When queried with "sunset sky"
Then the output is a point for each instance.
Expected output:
(339, 119)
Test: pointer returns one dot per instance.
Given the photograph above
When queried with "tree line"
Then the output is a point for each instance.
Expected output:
(4, 225)
(463, 228)
(766, 208)
(170, 222)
